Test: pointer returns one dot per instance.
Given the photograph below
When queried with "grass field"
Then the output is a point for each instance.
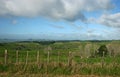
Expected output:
(62, 59)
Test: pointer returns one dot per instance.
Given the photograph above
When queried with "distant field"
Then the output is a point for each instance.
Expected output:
(59, 58)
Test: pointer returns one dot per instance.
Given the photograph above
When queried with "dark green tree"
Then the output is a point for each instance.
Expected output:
(102, 50)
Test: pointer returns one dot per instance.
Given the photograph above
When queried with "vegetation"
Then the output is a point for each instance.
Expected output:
(60, 58)
(103, 51)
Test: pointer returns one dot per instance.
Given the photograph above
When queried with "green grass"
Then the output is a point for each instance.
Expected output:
(84, 66)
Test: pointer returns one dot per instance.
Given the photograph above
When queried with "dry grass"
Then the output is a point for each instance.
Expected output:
(46, 75)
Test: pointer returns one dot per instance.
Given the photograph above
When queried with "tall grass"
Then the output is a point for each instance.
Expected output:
(60, 61)
(77, 65)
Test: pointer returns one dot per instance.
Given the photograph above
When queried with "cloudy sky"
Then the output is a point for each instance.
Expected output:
(60, 19)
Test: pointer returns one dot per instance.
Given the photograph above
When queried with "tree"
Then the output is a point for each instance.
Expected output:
(102, 50)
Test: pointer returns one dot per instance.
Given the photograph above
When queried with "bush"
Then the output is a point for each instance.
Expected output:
(102, 49)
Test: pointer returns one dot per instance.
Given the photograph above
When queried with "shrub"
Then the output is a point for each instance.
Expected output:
(102, 49)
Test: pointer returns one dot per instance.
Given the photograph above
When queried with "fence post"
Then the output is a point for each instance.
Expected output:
(16, 56)
(69, 58)
(37, 57)
(48, 57)
(27, 58)
(5, 57)
(103, 59)
(58, 57)
(26, 61)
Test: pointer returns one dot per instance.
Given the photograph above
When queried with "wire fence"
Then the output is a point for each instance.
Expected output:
(37, 57)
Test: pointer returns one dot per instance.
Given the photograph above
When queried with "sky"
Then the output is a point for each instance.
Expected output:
(60, 19)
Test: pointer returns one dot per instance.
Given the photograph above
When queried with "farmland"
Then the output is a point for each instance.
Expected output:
(54, 58)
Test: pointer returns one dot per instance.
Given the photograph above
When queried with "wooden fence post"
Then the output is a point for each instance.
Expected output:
(16, 56)
(58, 57)
(6, 57)
(37, 57)
(26, 61)
(103, 59)
(48, 57)
(69, 58)
(27, 58)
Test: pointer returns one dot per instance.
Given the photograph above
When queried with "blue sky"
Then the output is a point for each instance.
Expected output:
(60, 19)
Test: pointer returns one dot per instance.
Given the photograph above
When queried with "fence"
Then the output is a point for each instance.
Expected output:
(27, 57)
(37, 57)
(57, 63)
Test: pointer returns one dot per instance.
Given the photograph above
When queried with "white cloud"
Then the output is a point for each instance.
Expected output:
(112, 33)
(112, 20)
(70, 10)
